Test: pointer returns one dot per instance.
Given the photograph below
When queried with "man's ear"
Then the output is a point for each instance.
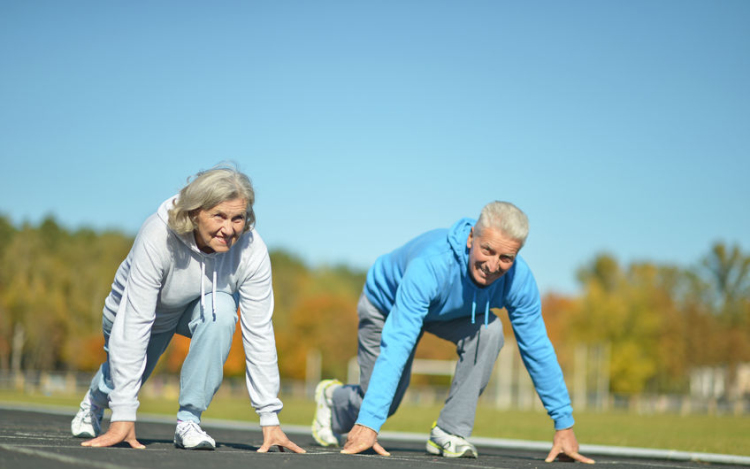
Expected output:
(470, 239)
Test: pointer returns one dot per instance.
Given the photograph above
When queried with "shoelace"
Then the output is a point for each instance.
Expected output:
(90, 414)
(191, 427)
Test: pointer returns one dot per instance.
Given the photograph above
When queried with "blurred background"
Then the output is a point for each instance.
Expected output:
(621, 128)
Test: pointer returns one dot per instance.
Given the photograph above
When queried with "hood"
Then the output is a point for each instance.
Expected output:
(457, 236)
(188, 239)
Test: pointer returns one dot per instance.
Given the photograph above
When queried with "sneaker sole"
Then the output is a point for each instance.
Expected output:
(205, 445)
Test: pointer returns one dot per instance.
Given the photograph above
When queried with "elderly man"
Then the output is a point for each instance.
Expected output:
(438, 283)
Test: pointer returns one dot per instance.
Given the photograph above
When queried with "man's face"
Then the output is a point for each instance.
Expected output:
(491, 255)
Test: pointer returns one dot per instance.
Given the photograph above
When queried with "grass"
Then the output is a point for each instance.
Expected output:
(690, 433)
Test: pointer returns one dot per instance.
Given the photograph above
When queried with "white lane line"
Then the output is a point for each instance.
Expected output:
(464, 462)
(62, 458)
(451, 462)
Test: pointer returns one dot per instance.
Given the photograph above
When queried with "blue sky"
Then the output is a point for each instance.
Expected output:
(618, 126)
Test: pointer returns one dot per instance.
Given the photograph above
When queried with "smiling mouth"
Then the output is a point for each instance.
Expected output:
(489, 274)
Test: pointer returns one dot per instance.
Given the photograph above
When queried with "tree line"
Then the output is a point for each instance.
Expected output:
(660, 321)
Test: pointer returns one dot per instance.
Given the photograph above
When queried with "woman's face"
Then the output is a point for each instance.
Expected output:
(219, 227)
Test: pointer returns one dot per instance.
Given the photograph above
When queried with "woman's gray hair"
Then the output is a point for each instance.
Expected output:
(507, 218)
(207, 190)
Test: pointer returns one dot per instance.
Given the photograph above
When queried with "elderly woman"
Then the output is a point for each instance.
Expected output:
(192, 264)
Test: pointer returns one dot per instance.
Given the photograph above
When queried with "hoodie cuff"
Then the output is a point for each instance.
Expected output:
(123, 413)
(564, 422)
(371, 423)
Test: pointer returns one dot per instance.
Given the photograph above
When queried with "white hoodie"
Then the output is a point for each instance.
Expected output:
(163, 273)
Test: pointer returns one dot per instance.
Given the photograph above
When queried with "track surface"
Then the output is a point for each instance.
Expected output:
(41, 440)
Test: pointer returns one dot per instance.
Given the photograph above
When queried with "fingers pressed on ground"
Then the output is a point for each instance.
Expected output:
(380, 450)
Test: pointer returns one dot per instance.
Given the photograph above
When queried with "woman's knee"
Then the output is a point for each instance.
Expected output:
(224, 314)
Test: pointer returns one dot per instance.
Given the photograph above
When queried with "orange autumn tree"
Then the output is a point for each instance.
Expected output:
(322, 319)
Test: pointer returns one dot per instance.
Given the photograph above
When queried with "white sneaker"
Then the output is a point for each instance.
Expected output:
(321, 426)
(444, 444)
(190, 436)
(88, 421)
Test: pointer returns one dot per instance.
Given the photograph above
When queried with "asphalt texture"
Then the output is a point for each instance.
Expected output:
(40, 439)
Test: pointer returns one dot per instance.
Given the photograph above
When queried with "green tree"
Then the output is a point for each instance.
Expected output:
(7, 233)
(617, 309)
(52, 289)
(727, 272)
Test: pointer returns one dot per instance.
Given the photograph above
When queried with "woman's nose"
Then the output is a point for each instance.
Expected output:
(226, 227)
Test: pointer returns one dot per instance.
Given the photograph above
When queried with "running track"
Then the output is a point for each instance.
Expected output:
(33, 438)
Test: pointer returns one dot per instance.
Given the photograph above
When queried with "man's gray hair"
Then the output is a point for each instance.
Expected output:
(207, 190)
(505, 217)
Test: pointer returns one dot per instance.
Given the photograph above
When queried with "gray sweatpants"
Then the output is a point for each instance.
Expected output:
(477, 347)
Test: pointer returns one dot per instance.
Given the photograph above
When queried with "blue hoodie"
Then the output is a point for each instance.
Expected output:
(428, 279)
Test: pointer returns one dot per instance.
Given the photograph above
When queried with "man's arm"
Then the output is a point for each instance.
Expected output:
(525, 312)
(398, 340)
(524, 307)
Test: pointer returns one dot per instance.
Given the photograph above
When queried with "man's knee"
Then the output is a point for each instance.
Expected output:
(493, 335)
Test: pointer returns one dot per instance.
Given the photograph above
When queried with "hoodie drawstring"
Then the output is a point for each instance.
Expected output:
(474, 310)
(203, 287)
(203, 290)
(213, 296)
(487, 312)
(474, 307)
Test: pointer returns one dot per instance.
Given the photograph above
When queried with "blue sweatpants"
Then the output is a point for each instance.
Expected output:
(203, 368)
